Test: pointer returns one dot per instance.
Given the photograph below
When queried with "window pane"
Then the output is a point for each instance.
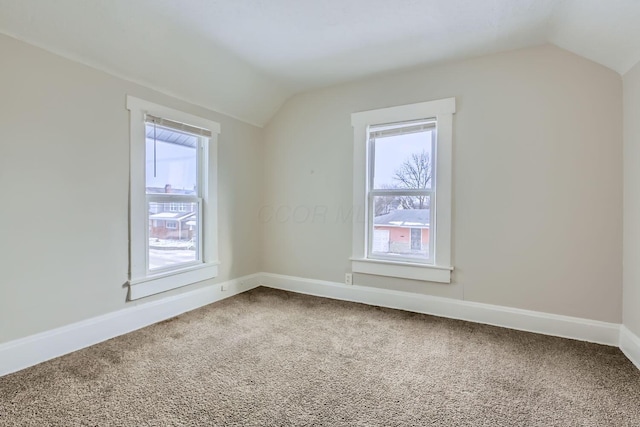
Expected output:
(403, 161)
(401, 226)
(171, 161)
(173, 234)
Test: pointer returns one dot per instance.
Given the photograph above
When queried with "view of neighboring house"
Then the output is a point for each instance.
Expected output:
(172, 220)
(171, 166)
(402, 231)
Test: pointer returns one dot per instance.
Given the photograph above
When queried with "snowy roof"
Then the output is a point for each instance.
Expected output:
(415, 218)
(171, 216)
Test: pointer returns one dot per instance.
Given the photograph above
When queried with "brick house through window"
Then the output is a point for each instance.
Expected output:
(402, 232)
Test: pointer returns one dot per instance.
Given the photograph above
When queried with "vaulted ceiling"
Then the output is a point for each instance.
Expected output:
(246, 57)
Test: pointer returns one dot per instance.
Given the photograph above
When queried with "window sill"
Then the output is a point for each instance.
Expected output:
(162, 282)
(404, 270)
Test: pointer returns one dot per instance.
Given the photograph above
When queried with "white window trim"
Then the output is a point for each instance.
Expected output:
(440, 270)
(141, 283)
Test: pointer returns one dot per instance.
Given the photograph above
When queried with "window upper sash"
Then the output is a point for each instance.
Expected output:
(403, 128)
(177, 126)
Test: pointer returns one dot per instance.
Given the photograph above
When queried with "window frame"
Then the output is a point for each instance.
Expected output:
(439, 270)
(372, 193)
(143, 282)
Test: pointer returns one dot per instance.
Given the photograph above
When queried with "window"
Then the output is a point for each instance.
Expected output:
(402, 182)
(173, 220)
(401, 190)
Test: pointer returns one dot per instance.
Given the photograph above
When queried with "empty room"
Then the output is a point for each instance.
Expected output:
(305, 213)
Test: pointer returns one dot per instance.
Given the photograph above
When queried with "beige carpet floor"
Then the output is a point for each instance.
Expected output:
(273, 358)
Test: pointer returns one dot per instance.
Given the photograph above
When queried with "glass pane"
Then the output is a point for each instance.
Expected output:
(173, 234)
(171, 161)
(403, 161)
(401, 226)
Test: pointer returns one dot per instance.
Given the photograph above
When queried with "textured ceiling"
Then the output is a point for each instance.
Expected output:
(245, 57)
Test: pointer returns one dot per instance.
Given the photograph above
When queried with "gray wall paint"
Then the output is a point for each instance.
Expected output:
(537, 218)
(631, 275)
(537, 185)
(64, 173)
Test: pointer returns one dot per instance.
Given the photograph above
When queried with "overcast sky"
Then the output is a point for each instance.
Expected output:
(175, 165)
(392, 151)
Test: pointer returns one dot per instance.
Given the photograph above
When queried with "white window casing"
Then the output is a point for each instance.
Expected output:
(143, 282)
(440, 267)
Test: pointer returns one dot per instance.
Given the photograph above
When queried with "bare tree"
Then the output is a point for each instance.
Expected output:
(384, 204)
(414, 173)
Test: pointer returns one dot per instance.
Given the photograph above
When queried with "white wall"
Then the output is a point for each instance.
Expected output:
(631, 261)
(64, 170)
(537, 185)
(537, 218)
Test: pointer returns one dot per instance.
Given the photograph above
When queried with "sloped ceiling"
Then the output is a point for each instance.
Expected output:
(246, 57)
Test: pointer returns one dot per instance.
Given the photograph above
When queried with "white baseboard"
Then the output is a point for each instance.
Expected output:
(630, 345)
(512, 318)
(29, 351)
(34, 349)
